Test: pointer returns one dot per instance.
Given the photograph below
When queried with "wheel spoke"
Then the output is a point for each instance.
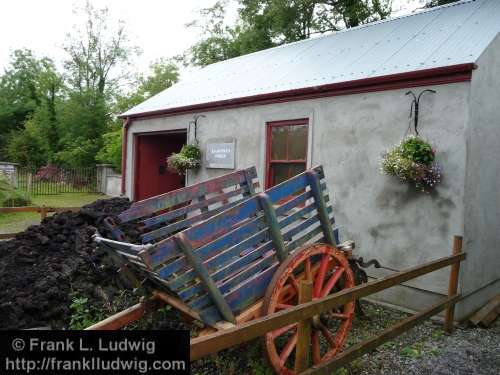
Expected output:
(320, 277)
(328, 336)
(308, 269)
(283, 306)
(331, 282)
(316, 348)
(287, 350)
(338, 316)
(278, 332)
(295, 283)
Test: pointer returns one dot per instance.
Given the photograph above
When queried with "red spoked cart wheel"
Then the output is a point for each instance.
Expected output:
(329, 271)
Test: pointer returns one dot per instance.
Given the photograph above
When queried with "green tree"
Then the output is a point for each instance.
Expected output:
(435, 3)
(162, 74)
(99, 54)
(111, 152)
(29, 87)
(27, 146)
(83, 119)
(219, 41)
(266, 23)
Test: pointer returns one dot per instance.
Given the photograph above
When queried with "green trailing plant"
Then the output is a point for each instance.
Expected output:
(413, 161)
(188, 158)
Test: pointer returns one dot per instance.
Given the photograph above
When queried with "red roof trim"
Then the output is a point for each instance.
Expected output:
(425, 77)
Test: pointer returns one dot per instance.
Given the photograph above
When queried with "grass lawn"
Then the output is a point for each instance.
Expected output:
(17, 222)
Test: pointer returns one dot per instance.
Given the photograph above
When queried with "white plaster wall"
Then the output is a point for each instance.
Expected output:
(113, 185)
(389, 221)
(481, 271)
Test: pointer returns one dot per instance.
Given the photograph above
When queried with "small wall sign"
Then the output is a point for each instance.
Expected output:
(220, 153)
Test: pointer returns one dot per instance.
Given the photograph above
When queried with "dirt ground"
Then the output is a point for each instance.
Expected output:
(47, 266)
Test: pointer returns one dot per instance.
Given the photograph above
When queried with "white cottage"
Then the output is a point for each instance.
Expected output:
(339, 100)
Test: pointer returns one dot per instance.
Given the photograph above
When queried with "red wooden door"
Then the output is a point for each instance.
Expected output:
(151, 174)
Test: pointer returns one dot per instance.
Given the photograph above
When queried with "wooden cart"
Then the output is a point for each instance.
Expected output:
(248, 260)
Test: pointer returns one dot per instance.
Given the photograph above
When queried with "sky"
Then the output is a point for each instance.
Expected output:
(156, 26)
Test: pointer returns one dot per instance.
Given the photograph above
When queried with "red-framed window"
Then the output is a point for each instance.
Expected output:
(286, 154)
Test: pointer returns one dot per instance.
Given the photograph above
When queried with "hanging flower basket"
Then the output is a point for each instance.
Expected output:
(412, 161)
(188, 158)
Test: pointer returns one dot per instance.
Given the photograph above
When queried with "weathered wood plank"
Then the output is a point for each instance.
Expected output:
(222, 223)
(205, 278)
(181, 211)
(221, 243)
(326, 226)
(161, 202)
(121, 319)
(178, 304)
(453, 285)
(250, 290)
(273, 226)
(488, 313)
(183, 224)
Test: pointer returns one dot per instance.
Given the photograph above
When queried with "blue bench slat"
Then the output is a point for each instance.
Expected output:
(161, 202)
(252, 255)
(183, 224)
(246, 273)
(220, 244)
(251, 290)
(174, 214)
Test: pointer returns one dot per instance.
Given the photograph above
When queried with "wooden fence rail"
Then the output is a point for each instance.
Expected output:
(205, 345)
(42, 210)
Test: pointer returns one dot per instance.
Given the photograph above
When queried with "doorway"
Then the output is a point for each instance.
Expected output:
(151, 174)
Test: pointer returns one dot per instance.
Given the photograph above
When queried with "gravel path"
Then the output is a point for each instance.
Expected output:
(425, 349)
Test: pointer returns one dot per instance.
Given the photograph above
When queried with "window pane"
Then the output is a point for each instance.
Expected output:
(296, 169)
(278, 142)
(279, 173)
(297, 142)
(282, 172)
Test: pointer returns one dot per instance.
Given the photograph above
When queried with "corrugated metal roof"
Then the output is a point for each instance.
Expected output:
(449, 35)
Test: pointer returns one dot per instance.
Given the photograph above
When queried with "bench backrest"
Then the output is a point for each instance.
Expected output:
(233, 255)
(162, 215)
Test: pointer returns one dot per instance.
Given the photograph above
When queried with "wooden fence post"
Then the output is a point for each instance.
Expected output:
(303, 330)
(453, 285)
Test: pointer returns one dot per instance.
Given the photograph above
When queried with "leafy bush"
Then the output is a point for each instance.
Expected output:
(10, 196)
(412, 161)
(111, 151)
(78, 153)
(27, 146)
(82, 314)
(188, 158)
